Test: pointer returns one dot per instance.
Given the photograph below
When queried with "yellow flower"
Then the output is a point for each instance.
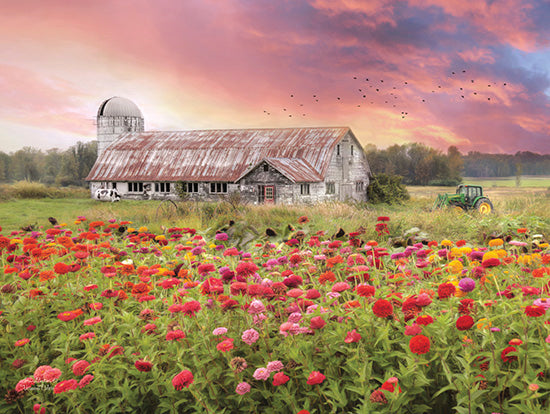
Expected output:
(16, 241)
(495, 242)
(544, 245)
(77, 222)
(189, 256)
(455, 266)
(455, 252)
(166, 247)
(131, 229)
(524, 259)
(212, 246)
(466, 250)
(63, 224)
(446, 243)
(142, 229)
(483, 323)
(160, 237)
(501, 253)
(490, 255)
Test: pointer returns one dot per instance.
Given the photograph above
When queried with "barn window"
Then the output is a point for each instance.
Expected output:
(338, 149)
(218, 188)
(352, 150)
(190, 187)
(304, 189)
(162, 187)
(266, 167)
(135, 187)
(331, 188)
(359, 186)
(113, 185)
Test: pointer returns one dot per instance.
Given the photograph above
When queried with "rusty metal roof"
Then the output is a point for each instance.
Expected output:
(301, 154)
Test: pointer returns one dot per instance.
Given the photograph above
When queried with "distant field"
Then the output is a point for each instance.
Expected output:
(526, 181)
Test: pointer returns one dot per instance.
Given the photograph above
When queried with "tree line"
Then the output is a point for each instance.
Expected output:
(419, 164)
(52, 167)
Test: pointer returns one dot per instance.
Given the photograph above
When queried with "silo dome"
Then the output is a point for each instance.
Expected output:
(117, 106)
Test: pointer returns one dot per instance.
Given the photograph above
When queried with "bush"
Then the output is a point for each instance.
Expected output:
(387, 188)
(34, 190)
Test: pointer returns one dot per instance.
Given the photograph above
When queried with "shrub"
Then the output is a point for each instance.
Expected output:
(387, 188)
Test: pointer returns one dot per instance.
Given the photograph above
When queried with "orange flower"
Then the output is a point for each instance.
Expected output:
(334, 260)
(46, 275)
(327, 277)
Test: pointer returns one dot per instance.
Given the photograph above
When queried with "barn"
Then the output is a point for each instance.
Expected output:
(275, 165)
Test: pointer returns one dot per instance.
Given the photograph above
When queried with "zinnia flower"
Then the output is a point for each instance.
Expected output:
(534, 311)
(182, 380)
(508, 358)
(445, 290)
(352, 336)
(242, 388)
(315, 378)
(64, 386)
(280, 378)
(382, 308)
(250, 336)
(143, 366)
(80, 367)
(464, 322)
(261, 374)
(419, 344)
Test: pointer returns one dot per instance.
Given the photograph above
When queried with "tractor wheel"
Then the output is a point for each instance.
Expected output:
(457, 208)
(484, 206)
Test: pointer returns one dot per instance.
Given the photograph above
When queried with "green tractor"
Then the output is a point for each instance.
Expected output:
(467, 197)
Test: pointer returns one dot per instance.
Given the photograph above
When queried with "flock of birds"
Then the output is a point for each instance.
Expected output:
(375, 91)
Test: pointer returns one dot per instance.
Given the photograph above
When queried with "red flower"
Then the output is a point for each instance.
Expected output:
(63, 386)
(315, 378)
(464, 322)
(365, 290)
(80, 367)
(192, 307)
(378, 396)
(445, 290)
(424, 320)
(280, 378)
(352, 336)
(86, 379)
(69, 315)
(508, 358)
(419, 344)
(492, 262)
(466, 306)
(382, 308)
(212, 285)
(226, 345)
(317, 323)
(176, 335)
(535, 311)
(61, 268)
(143, 366)
(246, 269)
(182, 380)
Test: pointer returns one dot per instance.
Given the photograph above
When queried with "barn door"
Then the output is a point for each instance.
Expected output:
(269, 194)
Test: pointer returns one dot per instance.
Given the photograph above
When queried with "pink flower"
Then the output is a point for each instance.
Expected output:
(66, 385)
(274, 366)
(261, 374)
(22, 342)
(80, 367)
(250, 336)
(242, 388)
(86, 336)
(52, 374)
(219, 331)
(352, 336)
(40, 371)
(340, 287)
(256, 306)
(92, 321)
(86, 379)
(414, 329)
(24, 384)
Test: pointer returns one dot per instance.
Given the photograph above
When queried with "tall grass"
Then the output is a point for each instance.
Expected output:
(34, 190)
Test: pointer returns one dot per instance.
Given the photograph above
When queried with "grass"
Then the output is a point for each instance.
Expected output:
(525, 181)
(513, 209)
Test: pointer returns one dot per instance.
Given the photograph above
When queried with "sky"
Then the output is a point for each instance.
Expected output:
(468, 73)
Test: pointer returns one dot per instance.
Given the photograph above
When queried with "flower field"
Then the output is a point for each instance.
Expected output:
(103, 317)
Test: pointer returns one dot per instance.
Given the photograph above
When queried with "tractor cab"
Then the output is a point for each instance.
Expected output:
(470, 192)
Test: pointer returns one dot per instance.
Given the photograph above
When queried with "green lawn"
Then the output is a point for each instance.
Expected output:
(525, 181)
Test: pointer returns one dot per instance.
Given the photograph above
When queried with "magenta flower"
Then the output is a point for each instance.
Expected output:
(467, 284)
(275, 366)
(256, 306)
(92, 321)
(242, 388)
